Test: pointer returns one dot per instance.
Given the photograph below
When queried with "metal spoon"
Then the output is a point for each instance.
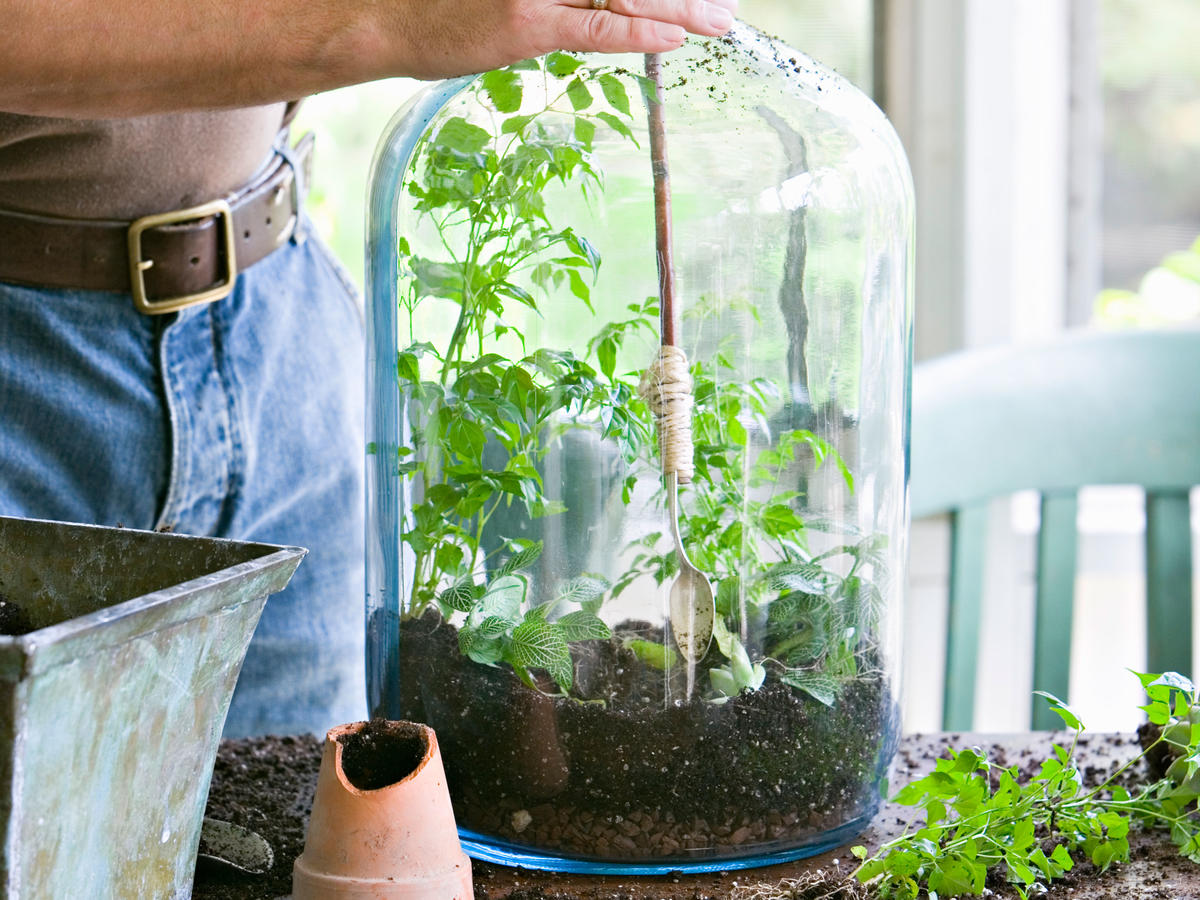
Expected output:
(238, 848)
(693, 609)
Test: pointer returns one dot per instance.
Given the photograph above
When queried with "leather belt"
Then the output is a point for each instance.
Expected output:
(166, 261)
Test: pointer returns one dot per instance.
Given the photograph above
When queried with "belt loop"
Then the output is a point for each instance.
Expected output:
(299, 188)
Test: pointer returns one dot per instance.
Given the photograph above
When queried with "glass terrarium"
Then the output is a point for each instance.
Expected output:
(638, 401)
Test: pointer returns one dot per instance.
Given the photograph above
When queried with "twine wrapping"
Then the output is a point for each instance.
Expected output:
(666, 386)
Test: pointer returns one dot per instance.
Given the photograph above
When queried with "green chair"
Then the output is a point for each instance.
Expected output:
(1091, 408)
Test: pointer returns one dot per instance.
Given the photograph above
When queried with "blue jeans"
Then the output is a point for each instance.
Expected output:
(242, 419)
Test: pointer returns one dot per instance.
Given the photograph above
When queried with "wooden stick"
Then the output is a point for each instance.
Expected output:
(662, 202)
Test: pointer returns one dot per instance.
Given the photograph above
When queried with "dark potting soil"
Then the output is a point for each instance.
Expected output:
(13, 618)
(1159, 755)
(641, 776)
(382, 753)
(265, 784)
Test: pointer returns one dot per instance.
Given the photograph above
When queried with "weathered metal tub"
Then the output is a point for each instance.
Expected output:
(111, 710)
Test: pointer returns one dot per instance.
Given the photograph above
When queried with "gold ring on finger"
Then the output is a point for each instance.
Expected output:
(600, 4)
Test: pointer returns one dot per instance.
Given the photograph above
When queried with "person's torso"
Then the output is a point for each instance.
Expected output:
(125, 168)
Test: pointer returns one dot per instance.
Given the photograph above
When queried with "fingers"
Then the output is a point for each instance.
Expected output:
(441, 38)
(607, 33)
(641, 26)
(706, 17)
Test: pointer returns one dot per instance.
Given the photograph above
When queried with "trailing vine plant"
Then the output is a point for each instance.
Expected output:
(980, 817)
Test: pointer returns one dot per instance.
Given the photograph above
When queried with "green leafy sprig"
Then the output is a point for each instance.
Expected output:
(483, 421)
(979, 817)
(502, 625)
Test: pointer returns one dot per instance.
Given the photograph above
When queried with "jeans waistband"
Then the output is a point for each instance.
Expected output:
(169, 260)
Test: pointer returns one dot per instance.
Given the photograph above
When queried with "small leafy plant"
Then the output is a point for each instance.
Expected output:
(483, 420)
(814, 619)
(502, 625)
(979, 817)
(485, 409)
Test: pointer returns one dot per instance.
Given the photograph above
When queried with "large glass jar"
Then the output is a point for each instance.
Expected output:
(521, 557)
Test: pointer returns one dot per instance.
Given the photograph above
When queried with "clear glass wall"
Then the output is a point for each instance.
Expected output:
(521, 559)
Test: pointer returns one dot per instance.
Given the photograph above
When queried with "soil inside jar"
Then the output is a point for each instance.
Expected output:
(633, 774)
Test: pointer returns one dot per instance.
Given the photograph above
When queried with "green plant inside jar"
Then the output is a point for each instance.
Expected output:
(485, 409)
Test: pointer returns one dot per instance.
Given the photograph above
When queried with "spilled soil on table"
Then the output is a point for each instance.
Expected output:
(14, 620)
(267, 784)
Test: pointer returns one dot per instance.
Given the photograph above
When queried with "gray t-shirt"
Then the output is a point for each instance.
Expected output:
(125, 168)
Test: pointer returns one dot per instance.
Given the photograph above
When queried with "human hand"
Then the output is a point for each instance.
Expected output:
(441, 38)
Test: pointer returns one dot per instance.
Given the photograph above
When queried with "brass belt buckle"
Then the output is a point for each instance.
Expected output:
(138, 266)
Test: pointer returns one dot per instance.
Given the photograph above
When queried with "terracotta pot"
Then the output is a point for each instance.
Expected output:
(392, 837)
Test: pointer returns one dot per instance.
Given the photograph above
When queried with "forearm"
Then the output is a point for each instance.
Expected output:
(95, 58)
(98, 58)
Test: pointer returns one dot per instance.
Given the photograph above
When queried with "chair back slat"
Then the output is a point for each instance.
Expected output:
(1168, 582)
(1057, 549)
(968, 545)
(1092, 408)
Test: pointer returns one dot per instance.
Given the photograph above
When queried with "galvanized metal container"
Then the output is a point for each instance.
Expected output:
(111, 710)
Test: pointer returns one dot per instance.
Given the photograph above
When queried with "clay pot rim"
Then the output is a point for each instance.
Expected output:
(427, 734)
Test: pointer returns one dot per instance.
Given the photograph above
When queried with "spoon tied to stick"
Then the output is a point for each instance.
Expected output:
(668, 386)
